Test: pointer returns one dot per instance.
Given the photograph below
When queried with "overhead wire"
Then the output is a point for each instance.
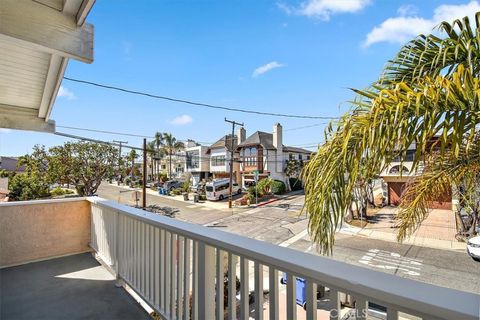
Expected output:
(194, 103)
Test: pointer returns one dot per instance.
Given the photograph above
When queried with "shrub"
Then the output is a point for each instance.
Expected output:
(278, 187)
(203, 197)
(57, 192)
(264, 186)
(295, 184)
(27, 187)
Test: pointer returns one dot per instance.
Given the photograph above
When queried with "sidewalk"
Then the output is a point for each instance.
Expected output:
(217, 205)
(436, 231)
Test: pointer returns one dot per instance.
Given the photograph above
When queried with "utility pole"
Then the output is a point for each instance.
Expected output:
(231, 157)
(120, 152)
(144, 184)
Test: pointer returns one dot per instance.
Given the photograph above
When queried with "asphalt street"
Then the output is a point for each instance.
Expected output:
(283, 223)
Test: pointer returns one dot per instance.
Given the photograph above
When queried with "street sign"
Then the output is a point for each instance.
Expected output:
(255, 175)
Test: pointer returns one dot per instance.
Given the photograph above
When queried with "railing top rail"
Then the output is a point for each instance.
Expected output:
(404, 294)
(43, 201)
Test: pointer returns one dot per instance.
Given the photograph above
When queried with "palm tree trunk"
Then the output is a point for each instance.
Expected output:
(170, 165)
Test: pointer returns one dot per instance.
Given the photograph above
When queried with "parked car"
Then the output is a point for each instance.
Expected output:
(220, 189)
(473, 248)
(172, 184)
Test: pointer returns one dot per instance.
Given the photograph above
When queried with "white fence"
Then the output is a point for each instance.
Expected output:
(178, 268)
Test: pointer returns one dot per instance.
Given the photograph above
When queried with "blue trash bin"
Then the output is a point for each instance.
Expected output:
(300, 290)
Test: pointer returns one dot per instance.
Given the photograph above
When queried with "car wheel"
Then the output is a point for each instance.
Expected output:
(476, 259)
(220, 197)
(239, 191)
(304, 306)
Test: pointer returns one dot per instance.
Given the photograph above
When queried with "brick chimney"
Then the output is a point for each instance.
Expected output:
(278, 144)
(241, 135)
(278, 137)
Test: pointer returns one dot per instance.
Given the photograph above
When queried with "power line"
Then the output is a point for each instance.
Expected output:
(199, 104)
(119, 133)
(305, 127)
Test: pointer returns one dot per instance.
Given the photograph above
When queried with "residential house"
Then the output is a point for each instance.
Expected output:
(10, 164)
(399, 173)
(220, 156)
(197, 161)
(264, 152)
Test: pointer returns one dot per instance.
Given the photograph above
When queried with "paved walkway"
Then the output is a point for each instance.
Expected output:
(437, 231)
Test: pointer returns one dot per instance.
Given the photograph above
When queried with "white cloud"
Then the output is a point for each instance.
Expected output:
(324, 9)
(182, 120)
(66, 93)
(407, 26)
(265, 68)
(407, 10)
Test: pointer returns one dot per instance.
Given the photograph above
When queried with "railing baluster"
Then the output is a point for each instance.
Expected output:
(173, 279)
(336, 307)
(162, 270)
(361, 307)
(186, 280)
(291, 297)
(244, 289)
(152, 263)
(273, 293)
(232, 286)
(168, 265)
(392, 314)
(258, 291)
(311, 293)
(156, 252)
(138, 253)
(180, 277)
(206, 281)
(195, 280)
(143, 257)
(219, 285)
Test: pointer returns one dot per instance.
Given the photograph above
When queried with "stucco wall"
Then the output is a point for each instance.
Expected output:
(34, 230)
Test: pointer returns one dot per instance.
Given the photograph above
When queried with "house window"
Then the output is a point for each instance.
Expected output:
(218, 161)
(250, 157)
(308, 157)
(164, 167)
(300, 157)
(291, 156)
(193, 159)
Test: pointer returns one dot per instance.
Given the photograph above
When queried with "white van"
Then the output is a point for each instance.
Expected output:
(219, 189)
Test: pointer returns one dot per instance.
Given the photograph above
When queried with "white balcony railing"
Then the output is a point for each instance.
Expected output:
(178, 267)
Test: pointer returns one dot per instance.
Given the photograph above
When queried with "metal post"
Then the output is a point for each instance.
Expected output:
(231, 159)
(144, 184)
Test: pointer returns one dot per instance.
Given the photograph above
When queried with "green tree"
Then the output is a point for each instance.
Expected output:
(34, 182)
(430, 88)
(171, 146)
(82, 164)
(158, 143)
(131, 157)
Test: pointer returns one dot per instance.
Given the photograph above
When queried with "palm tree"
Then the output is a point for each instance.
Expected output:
(131, 157)
(170, 146)
(157, 142)
(151, 151)
(430, 88)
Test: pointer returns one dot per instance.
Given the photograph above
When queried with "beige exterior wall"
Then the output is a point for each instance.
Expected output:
(36, 230)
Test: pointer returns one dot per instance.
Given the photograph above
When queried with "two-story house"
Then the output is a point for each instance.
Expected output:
(220, 156)
(197, 161)
(399, 173)
(264, 152)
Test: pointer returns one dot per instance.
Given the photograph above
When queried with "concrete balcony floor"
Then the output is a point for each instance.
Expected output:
(73, 287)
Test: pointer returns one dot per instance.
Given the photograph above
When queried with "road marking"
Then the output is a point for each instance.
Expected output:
(387, 260)
(294, 239)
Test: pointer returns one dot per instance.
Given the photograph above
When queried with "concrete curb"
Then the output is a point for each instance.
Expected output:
(450, 245)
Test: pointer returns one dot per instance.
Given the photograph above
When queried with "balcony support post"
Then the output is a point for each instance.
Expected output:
(206, 281)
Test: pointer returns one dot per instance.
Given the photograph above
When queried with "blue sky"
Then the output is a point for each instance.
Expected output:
(272, 56)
